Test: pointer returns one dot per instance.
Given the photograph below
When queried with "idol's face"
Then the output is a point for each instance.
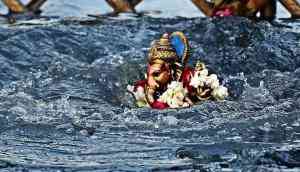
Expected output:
(159, 75)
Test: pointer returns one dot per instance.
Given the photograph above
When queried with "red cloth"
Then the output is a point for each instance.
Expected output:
(140, 83)
(159, 105)
(186, 78)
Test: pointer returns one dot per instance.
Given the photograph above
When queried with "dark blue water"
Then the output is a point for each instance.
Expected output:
(64, 107)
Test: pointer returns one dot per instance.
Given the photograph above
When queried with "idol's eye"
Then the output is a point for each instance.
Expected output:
(156, 73)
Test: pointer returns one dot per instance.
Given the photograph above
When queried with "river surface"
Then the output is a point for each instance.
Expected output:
(64, 105)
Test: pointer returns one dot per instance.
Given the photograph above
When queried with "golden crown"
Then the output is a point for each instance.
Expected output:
(162, 50)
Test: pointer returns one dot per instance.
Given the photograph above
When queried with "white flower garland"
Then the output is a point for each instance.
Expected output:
(175, 95)
(201, 79)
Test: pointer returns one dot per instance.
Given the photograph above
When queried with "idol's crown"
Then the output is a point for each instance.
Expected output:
(163, 50)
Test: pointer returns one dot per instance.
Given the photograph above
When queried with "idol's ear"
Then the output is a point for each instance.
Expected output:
(180, 43)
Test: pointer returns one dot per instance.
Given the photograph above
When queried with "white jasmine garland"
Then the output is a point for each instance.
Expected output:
(212, 81)
(201, 79)
(174, 96)
(220, 93)
(203, 72)
(139, 95)
(198, 79)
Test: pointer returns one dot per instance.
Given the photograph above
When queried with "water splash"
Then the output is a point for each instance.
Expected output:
(63, 97)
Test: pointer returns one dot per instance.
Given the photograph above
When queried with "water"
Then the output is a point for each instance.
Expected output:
(63, 104)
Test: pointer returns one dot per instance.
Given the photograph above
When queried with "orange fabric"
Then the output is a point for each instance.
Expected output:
(14, 6)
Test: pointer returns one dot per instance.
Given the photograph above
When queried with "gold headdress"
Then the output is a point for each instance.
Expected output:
(162, 50)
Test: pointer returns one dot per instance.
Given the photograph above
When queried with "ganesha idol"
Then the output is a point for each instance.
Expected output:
(169, 82)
